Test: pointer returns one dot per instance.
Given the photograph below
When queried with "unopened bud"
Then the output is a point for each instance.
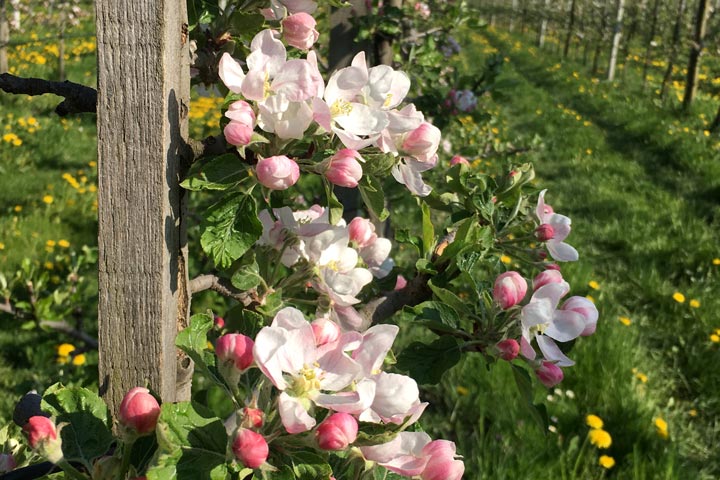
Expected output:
(508, 349)
(43, 438)
(459, 159)
(139, 411)
(299, 30)
(337, 431)
(250, 448)
(278, 172)
(545, 232)
(549, 374)
(344, 169)
(509, 290)
(252, 418)
(546, 277)
(235, 349)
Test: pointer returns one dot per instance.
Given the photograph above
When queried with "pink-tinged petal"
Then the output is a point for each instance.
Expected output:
(561, 226)
(353, 403)
(312, 60)
(299, 349)
(552, 352)
(395, 395)
(439, 448)
(253, 87)
(298, 81)
(386, 87)
(268, 54)
(415, 413)
(268, 343)
(339, 370)
(536, 313)
(321, 114)
(405, 120)
(377, 342)
(562, 252)
(411, 178)
(295, 121)
(350, 319)
(587, 309)
(526, 349)
(231, 73)
(551, 292)
(565, 326)
(351, 140)
(540, 209)
(402, 455)
(294, 417)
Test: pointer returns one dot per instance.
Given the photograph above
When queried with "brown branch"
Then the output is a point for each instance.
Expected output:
(208, 147)
(223, 287)
(58, 325)
(78, 98)
(414, 293)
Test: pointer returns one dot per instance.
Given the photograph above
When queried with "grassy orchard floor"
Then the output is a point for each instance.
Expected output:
(642, 185)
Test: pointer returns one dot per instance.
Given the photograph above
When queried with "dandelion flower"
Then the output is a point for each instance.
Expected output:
(625, 321)
(600, 438)
(79, 359)
(505, 259)
(593, 421)
(48, 199)
(694, 303)
(678, 297)
(50, 243)
(715, 338)
(661, 427)
(593, 284)
(63, 243)
(606, 461)
(716, 261)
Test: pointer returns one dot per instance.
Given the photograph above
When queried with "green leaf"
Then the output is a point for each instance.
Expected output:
(219, 173)
(309, 466)
(378, 164)
(424, 265)
(373, 196)
(247, 276)
(232, 228)
(192, 444)
(239, 319)
(438, 312)
(334, 206)
(245, 25)
(427, 363)
(524, 384)
(86, 434)
(193, 341)
(450, 299)
(428, 231)
(273, 303)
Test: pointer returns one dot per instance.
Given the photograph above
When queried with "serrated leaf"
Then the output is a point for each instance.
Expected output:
(244, 24)
(193, 341)
(239, 319)
(427, 363)
(373, 196)
(438, 312)
(309, 466)
(219, 173)
(192, 444)
(247, 277)
(335, 208)
(86, 434)
(378, 164)
(449, 298)
(232, 228)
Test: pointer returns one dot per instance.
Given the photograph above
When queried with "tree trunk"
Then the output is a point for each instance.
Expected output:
(617, 34)
(4, 36)
(513, 12)
(570, 28)
(143, 97)
(649, 41)
(695, 53)
(542, 31)
(674, 47)
(600, 40)
(638, 13)
(384, 44)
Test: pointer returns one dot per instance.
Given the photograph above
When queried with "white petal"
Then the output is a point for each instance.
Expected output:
(294, 417)
(552, 352)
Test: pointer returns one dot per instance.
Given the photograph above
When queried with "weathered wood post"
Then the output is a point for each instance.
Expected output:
(143, 94)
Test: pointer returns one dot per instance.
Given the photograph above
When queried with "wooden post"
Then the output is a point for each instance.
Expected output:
(143, 96)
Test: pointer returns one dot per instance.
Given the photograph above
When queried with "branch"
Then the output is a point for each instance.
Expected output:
(208, 147)
(78, 98)
(223, 287)
(414, 293)
(58, 325)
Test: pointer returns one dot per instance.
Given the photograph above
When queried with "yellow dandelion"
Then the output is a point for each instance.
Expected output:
(63, 351)
(625, 321)
(505, 259)
(79, 359)
(593, 284)
(48, 199)
(462, 390)
(49, 265)
(661, 428)
(2, 246)
(678, 297)
(63, 243)
(692, 412)
(716, 261)
(606, 461)
(694, 303)
(17, 208)
(600, 438)
(588, 151)
(92, 164)
(593, 421)
(50, 243)
(590, 298)
(715, 338)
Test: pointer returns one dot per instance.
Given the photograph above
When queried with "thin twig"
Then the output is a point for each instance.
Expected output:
(58, 325)
(223, 287)
(78, 98)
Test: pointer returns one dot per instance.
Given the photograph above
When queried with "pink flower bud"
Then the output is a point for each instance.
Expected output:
(441, 463)
(549, 374)
(587, 309)
(219, 322)
(546, 277)
(422, 143)
(400, 283)
(510, 288)
(43, 438)
(235, 348)
(252, 417)
(139, 411)
(242, 112)
(325, 331)
(277, 173)
(508, 349)
(299, 30)
(7, 463)
(343, 168)
(545, 232)
(237, 133)
(250, 448)
(458, 159)
(361, 231)
(552, 266)
(337, 431)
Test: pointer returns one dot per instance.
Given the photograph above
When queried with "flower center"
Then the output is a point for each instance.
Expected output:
(340, 107)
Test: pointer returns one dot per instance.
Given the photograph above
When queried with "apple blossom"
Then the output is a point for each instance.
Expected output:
(560, 226)
(549, 374)
(325, 331)
(548, 276)
(337, 431)
(508, 349)
(237, 133)
(252, 417)
(361, 231)
(242, 112)
(509, 290)
(43, 438)
(250, 448)
(587, 309)
(344, 168)
(235, 350)
(299, 30)
(278, 172)
(139, 411)
(441, 464)
(545, 232)
(457, 159)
